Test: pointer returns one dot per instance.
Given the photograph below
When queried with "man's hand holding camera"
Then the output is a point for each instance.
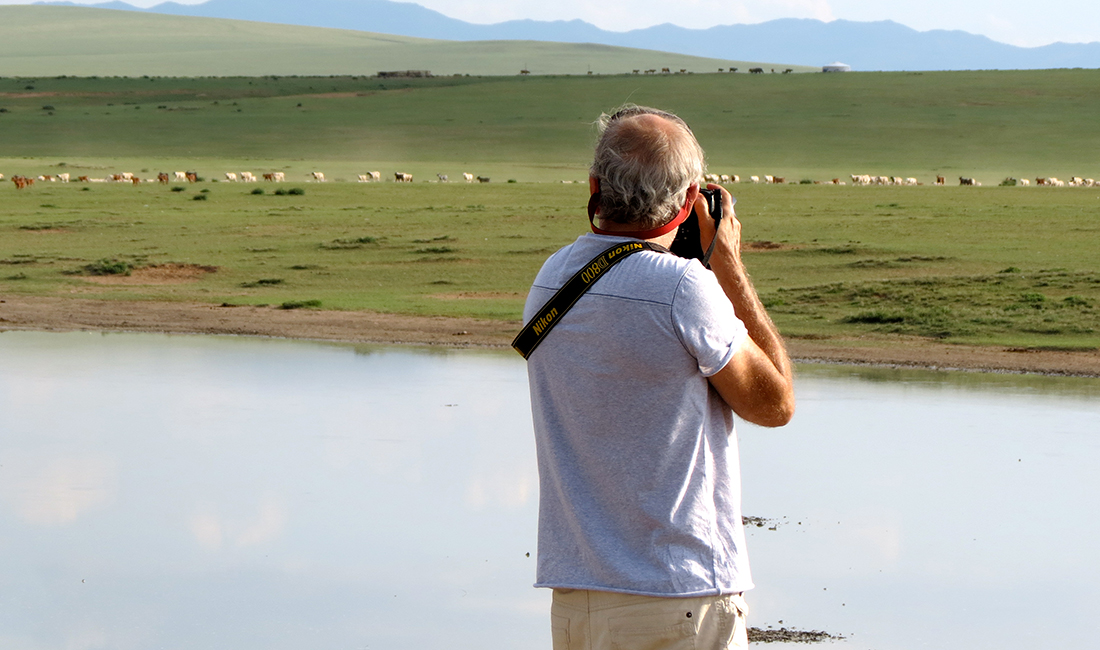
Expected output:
(757, 381)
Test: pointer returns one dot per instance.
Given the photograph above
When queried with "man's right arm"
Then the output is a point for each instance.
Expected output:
(757, 383)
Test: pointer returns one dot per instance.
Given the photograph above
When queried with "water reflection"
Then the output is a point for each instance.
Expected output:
(232, 493)
(185, 492)
(925, 509)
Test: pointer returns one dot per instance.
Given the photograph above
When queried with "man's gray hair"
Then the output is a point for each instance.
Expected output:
(644, 172)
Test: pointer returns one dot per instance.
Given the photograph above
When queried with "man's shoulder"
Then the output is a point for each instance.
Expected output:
(572, 257)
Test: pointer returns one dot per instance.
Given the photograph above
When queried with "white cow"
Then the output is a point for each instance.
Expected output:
(64, 177)
(230, 176)
(375, 175)
(319, 177)
(181, 176)
(442, 178)
(247, 177)
(469, 178)
(402, 177)
(755, 179)
(363, 178)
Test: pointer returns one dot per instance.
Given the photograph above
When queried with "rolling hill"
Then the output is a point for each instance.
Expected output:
(879, 45)
(77, 41)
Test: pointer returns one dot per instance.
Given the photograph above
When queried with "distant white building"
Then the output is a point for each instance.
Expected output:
(836, 67)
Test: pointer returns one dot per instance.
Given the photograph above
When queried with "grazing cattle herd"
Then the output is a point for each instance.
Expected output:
(22, 182)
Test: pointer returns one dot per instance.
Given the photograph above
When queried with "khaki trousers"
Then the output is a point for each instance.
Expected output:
(602, 620)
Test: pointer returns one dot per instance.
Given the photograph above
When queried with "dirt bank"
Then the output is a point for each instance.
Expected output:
(69, 314)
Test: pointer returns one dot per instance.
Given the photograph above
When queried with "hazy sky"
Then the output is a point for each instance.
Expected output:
(1019, 22)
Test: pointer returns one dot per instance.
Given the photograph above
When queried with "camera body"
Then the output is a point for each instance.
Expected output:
(686, 244)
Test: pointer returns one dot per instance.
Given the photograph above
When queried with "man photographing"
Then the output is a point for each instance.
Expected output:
(634, 378)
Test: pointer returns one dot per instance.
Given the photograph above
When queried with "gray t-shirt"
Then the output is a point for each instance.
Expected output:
(638, 469)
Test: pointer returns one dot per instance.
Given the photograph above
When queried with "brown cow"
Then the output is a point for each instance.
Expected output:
(162, 178)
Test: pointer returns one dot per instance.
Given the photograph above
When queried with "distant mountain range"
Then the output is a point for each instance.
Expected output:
(882, 45)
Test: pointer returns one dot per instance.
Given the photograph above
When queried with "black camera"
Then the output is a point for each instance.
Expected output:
(686, 243)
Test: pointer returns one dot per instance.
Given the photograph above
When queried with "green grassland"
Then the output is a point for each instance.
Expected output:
(1014, 266)
(988, 125)
(1006, 265)
(51, 41)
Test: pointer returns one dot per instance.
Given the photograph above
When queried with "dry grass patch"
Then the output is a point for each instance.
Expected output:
(765, 246)
(171, 273)
(480, 295)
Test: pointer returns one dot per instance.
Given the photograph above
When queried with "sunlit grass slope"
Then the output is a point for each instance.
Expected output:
(44, 40)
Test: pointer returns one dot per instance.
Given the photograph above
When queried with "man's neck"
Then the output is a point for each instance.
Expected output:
(613, 228)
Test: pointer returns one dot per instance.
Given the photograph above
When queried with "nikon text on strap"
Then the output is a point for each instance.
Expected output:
(535, 331)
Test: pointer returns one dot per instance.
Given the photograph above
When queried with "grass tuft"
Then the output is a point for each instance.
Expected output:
(300, 304)
(874, 318)
(108, 267)
(263, 282)
(343, 244)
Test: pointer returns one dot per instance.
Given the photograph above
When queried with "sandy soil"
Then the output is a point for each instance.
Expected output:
(75, 314)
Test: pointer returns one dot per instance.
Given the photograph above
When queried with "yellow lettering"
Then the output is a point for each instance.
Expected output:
(542, 323)
(593, 271)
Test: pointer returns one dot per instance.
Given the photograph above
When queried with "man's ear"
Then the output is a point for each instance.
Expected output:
(593, 184)
(693, 193)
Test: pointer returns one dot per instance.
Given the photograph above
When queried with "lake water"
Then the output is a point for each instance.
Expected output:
(227, 493)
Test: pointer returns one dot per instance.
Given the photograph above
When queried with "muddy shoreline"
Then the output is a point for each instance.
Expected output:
(75, 314)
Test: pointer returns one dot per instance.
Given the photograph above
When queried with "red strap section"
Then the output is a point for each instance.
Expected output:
(682, 215)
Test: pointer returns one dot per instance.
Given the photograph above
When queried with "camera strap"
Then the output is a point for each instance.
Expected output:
(713, 240)
(540, 325)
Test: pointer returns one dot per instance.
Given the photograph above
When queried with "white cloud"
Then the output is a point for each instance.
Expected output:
(267, 525)
(58, 490)
(207, 531)
(211, 531)
(509, 489)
